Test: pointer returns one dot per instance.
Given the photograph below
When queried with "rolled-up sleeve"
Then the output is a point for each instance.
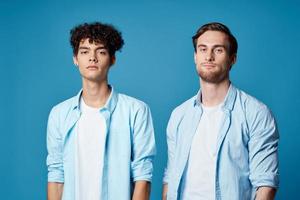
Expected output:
(263, 150)
(171, 149)
(143, 145)
(55, 150)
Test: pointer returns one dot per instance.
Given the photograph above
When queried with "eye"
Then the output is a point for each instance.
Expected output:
(103, 52)
(218, 50)
(83, 52)
(202, 49)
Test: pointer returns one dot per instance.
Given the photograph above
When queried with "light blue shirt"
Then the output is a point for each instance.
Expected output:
(129, 145)
(247, 145)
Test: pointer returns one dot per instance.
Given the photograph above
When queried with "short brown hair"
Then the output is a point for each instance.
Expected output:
(216, 26)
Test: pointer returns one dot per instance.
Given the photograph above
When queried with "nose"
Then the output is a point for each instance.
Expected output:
(209, 56)
(93, 58)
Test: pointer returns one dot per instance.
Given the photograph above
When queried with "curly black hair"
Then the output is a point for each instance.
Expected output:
(97, 32)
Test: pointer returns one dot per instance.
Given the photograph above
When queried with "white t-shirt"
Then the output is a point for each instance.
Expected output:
(199, 179)
(89, 153)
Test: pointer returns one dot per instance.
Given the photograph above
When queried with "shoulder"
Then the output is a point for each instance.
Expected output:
(259, 118)
(131, 102)
(250, 104)
(255, 112)
(132, 109)
(64, 107)
(180, 110)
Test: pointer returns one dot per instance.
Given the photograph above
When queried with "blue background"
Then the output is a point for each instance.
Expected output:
(155, 65)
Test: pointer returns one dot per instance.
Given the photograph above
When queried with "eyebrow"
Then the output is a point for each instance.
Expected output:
(214, 46)
(87, 48)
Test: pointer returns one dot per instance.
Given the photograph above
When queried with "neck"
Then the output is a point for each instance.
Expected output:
(95, 94)
(213, 94)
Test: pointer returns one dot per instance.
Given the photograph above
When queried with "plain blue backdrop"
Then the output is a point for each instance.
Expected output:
(155, 65)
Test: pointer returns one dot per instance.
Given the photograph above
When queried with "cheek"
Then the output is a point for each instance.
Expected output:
(226, 65)
(81, 66)
(198, 59)
(108, 62)
(224, 61)
(81, 71)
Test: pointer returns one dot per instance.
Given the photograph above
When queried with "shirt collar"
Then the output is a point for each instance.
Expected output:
(110, 104)
(228, 102)
(230, 98)
(197, 100)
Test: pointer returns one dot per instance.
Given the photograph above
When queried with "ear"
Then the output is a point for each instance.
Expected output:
(195, 57)
(233, 59)
(112, 60)
(75, 61)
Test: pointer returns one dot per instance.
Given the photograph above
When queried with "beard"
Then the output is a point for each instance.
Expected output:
(214, 76)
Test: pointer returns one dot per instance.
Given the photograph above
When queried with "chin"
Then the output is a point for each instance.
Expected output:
(212, 78)
(92, 78)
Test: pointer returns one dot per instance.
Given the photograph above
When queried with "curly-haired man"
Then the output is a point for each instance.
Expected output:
(100, 143)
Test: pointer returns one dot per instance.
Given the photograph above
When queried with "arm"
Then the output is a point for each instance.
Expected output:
(141, 190)
(265, 193)
(54, 159)
(55, 191)
(263, 154)
(143, 151)
(171, 149)
(165, 191)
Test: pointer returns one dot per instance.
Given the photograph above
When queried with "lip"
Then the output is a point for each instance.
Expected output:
(208, 65)
(93, 67)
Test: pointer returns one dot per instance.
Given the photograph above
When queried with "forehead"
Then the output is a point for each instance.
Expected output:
(213, 38)
(86, 43)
